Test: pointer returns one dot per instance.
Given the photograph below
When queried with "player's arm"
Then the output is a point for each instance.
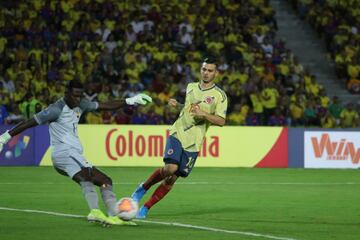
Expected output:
(49, 114)
(22, 126)
(175, 104)
(111, 105)
(141, 99)
(219, 116)
(215, 119)
(212, 118)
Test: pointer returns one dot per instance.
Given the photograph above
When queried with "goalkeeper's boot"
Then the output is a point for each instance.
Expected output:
(115, 220)
(142, 213)
(96, 215)
(139, 193)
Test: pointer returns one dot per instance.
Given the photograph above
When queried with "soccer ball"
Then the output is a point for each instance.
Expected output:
(8, 154)
(127, 208)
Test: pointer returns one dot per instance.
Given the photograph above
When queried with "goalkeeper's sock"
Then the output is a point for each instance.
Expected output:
(159, 194)
(90, 194)
(109, 199)
(156, 177)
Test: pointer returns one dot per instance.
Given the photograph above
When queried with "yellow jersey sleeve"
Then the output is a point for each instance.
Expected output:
(222, 104)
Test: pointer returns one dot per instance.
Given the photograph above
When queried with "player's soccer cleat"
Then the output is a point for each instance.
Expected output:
(143, 212)
(139, 193)
(96, 215)
(115, 220)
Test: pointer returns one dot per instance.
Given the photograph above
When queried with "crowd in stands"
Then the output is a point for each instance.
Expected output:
(119, 48)
(338, 23)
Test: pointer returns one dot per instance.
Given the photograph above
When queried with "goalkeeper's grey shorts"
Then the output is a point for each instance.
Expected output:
(71, 162)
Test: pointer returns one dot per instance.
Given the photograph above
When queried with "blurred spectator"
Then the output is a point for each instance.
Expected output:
(107, 117)
(328, 121)
(269, 98)
(310, 114)
(3, 114)
(122, 117)
(152, 117)
(14, 116)
(349, 117)
(353, 85)
(139, 117)
(335, 109)
(94, 118)
(297, 109)
(105, 94)
(257, 105)
(337, 22)
(235, 117)
(103, 31)
(8, 84)
(252, 119)
(89, 92)
(277, 119)
(117, 50)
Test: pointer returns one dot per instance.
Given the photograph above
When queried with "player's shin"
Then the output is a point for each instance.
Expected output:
(157, 176)
(109, 199)
(159, 194)
(90, 194)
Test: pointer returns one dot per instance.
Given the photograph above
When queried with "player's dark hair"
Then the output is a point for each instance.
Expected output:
(74, 84)
(211, 60)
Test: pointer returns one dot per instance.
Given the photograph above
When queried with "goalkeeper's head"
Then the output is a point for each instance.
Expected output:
(73, 93)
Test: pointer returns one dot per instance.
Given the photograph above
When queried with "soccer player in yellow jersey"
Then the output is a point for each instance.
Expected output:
(205, 105)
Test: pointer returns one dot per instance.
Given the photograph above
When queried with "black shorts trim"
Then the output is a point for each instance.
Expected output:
(171, 161)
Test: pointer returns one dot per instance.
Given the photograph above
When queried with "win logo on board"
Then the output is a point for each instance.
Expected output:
(16, 146)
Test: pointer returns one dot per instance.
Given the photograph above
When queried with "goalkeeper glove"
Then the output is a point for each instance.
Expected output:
(138, 99)
(4, 138)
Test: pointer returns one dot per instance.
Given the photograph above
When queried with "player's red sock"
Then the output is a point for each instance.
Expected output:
(159, 193)
(156, 177)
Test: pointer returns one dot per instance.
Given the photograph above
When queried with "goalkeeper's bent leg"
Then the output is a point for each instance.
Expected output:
(109, 199)
(90, 194)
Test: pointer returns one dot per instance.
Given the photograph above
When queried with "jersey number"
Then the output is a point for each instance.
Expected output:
(190, 164)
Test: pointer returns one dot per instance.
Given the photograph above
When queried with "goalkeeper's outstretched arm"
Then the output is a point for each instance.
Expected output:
(22, 126)
(111, 105)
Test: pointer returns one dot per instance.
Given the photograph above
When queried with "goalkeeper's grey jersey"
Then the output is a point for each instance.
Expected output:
(63, 123)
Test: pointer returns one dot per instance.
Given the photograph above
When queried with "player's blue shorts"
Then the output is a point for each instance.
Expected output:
(175, 154)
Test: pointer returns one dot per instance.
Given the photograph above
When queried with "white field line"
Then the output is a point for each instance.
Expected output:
(210, 229)
(42, 212)
(198, 183)
(217, 230)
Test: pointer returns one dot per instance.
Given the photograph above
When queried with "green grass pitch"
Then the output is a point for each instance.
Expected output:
(298, 204)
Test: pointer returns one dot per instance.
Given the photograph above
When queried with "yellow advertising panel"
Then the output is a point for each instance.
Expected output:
(143, 145)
